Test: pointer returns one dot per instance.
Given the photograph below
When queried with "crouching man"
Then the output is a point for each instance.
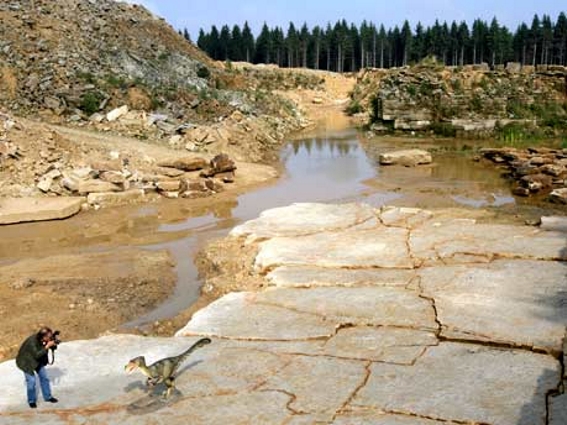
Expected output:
(32, 359)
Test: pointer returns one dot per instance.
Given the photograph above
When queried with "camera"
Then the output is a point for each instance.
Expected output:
(55, 339)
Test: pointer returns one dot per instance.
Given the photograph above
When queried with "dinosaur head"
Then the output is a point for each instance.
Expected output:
(135, 363)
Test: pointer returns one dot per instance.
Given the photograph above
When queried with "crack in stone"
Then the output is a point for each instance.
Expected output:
(431, 300)
(272, 267)
(487, 342)
(252, 339)
(260, 239)
(433, 418)
(500, 345)
(292, 399)
(359, 387)
(359, 320)
(332, 356)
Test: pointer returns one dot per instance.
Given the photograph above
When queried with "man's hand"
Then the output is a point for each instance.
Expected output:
(49, 344)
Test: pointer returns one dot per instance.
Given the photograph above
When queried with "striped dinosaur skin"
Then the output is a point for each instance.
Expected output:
(164, 369)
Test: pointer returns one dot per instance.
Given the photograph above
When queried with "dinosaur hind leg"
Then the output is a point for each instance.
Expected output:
(170, 384)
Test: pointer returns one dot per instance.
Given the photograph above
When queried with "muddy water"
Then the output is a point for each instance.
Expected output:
(340, 167)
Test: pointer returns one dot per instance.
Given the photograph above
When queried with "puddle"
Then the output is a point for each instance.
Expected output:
(322, 168)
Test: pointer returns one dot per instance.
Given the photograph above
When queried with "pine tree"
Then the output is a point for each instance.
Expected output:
(406, 39)
(304, 38)
(224, 43)
(478, 35)
(328, 42)
(535, 37)
(454, 43)
(263, 46)
(278, 46)
(493, 41)
(418, 48)
(560, 39)
(248, 44)
(186, 35)
(214, 43)
(292, 46)
(203, 42)
(463, 36)
(382, 36)
(521, 40)
(546, 38)
(235, 50)
(316, 37)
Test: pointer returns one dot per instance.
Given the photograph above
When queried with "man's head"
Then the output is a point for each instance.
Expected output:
(45, 334)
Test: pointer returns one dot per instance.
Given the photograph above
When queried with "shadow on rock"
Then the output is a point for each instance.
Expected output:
(55, 374)
(133, 386)
(536, 411)
(189, 366)
(555, 311)
(153, 402)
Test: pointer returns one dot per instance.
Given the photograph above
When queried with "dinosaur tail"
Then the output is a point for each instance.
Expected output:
(201, 343)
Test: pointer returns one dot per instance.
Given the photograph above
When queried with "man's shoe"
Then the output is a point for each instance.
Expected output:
(52, 400)
(33, 405)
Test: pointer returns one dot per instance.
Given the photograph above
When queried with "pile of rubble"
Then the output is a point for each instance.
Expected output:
(112, 182)
(36, 161)
(535, 170)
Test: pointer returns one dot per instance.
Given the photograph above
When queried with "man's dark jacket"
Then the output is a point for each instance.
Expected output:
(32, 355)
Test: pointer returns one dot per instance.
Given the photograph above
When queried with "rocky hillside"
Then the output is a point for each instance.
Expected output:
(74, 58)
(79, 53)
(470, 99)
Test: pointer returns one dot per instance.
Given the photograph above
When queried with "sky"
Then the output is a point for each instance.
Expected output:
(196, 14)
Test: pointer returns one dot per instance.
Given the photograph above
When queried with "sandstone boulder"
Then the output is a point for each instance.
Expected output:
(408, 158)
(186, 163)
(117, 113)
(116, 198)
(559, 196)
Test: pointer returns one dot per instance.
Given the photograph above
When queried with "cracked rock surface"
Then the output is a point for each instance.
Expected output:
(391, 317)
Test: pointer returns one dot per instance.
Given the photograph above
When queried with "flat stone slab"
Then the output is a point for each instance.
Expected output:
(298, 314)
(465, 241)
(21, 210)
(320, 385)
(304, 219)
(383, 344)
(384, 247)
(309, 276)
(239, 315)
(517, 302)
(465, 383)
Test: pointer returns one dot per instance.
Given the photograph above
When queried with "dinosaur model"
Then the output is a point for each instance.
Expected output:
(164, 369)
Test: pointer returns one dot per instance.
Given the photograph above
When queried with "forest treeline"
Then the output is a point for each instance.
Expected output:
(344, 48)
